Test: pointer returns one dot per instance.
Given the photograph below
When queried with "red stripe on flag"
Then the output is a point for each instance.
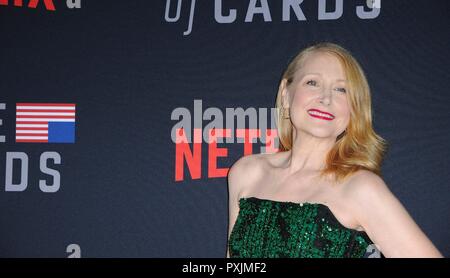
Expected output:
(31, 141)
(37, 110)
(31, 134)
(31, 128)
(45, 104)
(43, 116)
(27, 122)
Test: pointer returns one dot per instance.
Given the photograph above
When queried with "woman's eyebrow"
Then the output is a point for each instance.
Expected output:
(312, 73)
(316, 73)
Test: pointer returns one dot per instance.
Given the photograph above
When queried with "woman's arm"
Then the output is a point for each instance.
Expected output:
(244, 172)
(234, 180)
(386, 221)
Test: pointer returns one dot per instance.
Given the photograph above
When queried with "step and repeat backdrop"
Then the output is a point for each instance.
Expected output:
(105, 107)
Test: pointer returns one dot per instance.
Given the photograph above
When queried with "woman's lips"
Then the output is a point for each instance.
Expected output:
(320, 114)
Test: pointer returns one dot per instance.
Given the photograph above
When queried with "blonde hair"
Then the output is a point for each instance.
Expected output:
(358, 147)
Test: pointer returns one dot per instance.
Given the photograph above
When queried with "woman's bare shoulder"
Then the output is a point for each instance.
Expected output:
(385, 220)
(247, 169)
(364, 183)
(246, 165)
(366, 191)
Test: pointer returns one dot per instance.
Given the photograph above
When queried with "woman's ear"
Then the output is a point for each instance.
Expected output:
(284, 93)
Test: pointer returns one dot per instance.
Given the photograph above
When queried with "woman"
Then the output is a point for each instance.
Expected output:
(322, 194)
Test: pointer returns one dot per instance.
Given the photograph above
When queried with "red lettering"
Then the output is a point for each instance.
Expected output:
(248, 135)
(32, 4)
(192, 154)
(17, 3)
(184, 153)
(214, 152)
(48, 4)
(271, 134)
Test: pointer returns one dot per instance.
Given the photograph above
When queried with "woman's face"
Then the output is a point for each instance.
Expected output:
(319, 86)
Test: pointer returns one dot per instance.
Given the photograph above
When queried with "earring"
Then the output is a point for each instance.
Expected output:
(342, 134)
(286, 115)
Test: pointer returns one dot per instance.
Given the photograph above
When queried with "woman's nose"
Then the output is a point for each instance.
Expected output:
(325, 96)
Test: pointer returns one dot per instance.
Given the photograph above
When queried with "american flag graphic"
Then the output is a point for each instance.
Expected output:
(45, 122)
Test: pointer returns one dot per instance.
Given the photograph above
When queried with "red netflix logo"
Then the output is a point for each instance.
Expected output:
(190, 135)
(192, 153)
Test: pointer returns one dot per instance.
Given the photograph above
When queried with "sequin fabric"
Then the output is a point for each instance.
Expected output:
(275, 229)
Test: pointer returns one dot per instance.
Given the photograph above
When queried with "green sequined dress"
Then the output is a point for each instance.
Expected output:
(275, 229)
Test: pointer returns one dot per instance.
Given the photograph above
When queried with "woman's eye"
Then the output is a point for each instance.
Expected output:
(342, 90)
(311, 81)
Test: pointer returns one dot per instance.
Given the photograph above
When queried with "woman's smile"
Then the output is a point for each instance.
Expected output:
(320, 114)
